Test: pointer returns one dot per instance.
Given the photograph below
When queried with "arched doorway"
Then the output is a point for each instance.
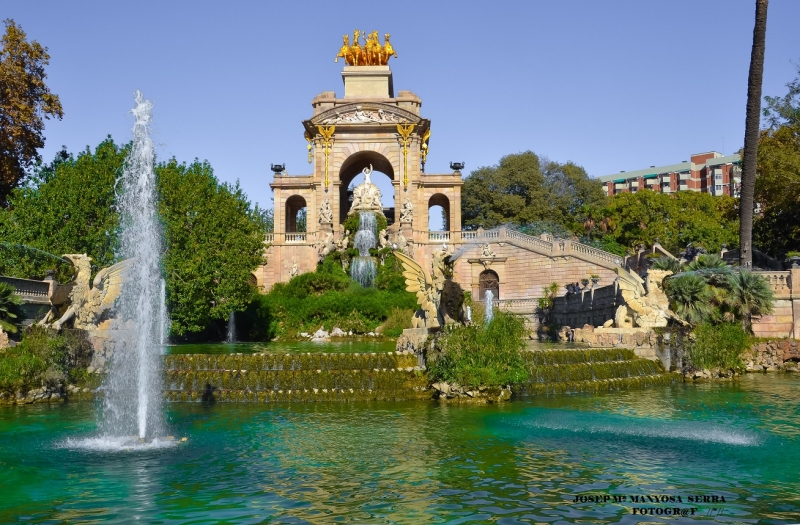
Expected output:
(295, 214)
(351, 170)
(439, 213)
(488, 280)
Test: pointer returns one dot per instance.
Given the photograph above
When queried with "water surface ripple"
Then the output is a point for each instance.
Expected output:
(419, 462)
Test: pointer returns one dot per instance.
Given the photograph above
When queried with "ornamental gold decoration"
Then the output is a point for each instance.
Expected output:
(310, 145)
(405, 139)
(372, 53)
(424, 148)
(326, 143)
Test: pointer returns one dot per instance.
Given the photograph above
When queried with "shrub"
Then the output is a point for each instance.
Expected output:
(44, 358)
(398, 320)
(10, 309)
(718, 345)
(480, 355)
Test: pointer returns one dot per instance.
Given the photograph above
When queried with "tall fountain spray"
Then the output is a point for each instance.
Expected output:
(489, 304)
(231, 338)
(363, 268)
(132, 403)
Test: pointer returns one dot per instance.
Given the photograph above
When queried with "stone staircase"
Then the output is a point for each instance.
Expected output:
(590, 370)
(294, 377)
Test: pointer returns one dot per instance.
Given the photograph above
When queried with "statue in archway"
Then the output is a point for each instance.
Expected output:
(366, 196)
(325, 213)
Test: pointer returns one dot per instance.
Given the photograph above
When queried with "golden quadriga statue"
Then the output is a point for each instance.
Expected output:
(372, 53)
(90, 301)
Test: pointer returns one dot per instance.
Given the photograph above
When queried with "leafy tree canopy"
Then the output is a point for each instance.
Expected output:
(674, 220)
(524, 188)
(214, 236)
(215, 239)
(25, 100)
(777, 192)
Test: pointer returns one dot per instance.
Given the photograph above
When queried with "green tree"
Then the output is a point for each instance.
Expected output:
(25, 100)
(690, 298)
(570, 192)
(784, 110)
(10, 309)
(214, 239)
(751, 134)
(674, 220)
(777, 191)
(70, 207)
(748, 295)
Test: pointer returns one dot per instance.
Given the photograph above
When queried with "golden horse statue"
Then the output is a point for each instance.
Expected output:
(372, 53)
(388, 50)
(345, 52)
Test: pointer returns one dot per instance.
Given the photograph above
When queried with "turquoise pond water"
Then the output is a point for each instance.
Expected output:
(421, 462)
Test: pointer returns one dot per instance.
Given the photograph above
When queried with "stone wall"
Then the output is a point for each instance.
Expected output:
(771, 356)
(592, 306)
(784, 321)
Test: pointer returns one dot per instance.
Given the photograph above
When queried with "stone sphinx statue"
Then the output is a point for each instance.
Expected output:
(90, 301)
(366, 196)
(644, 308)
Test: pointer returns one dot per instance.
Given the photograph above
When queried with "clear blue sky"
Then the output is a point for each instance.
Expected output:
(615, 85)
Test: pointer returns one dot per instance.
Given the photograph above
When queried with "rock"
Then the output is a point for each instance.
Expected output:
(371, 334)
(338, 332)
(90, 369)
(608, 324)
(304, 334)
(3, 340)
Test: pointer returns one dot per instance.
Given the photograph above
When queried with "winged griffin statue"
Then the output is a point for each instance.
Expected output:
(89, 303)
(440, 299)
(644, 308)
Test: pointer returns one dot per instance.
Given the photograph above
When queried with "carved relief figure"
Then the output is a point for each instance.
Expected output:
(325, 246)
(294, 270)
(486, 251)
(343, 242)
(325, 213)
(406, 211)
(90, 303)
(383, 238)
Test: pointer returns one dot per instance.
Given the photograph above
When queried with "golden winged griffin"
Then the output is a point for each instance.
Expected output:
(441, 300)
(90, 302)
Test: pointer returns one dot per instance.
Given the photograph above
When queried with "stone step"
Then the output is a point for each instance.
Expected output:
(387, 383)
(591, 371)
(580, 355)
(307, 361)
(602, 385)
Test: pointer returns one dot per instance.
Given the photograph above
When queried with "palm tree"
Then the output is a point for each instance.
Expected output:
(752, 121)
(10, 310)
(667, 263)
(749, 295)
(691, 298)
(707, 261)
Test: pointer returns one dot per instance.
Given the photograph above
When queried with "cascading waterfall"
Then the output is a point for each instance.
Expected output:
(133, 387)
(231, 338)
(488, 298)
(362, 268)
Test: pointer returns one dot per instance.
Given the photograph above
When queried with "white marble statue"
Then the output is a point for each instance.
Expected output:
(325, 213)
(406, 212)
(366, 196)
(486, 251)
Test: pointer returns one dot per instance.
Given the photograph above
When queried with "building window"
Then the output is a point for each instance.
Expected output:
(718, 187)
(718, 176)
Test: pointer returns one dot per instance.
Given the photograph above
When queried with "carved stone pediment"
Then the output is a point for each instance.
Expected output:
(364, 113)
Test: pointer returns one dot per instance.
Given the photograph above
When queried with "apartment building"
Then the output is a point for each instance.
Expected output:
(710, 172)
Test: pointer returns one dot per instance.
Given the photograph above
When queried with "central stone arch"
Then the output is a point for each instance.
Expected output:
(352, 167)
